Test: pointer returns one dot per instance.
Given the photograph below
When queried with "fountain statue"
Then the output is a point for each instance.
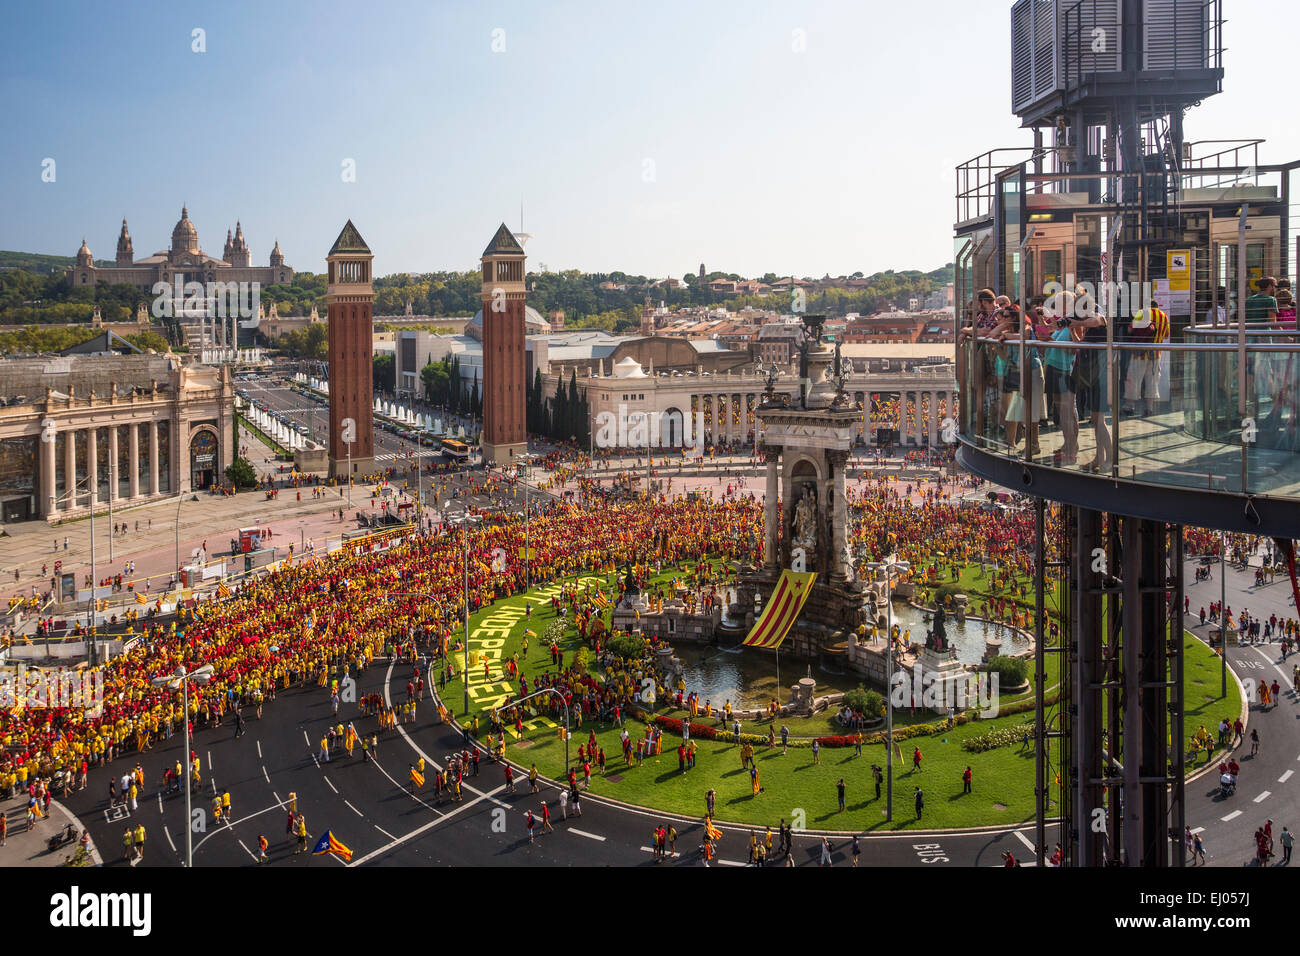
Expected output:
(805, 521)
(937, 639)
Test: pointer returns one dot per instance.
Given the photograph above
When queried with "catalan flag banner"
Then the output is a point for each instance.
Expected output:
(329, 845)
(713, 832)
(417, 778)
(598, 598)
(223, 590)
(778, 617)
(140, 598)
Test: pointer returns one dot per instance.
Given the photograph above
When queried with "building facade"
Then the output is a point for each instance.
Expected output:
(184, 261)
(81, 431)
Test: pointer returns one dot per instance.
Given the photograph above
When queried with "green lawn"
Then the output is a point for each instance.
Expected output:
(793, 785)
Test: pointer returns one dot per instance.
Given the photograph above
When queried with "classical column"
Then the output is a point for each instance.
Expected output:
(113, 476)
(153, 458)
(932, 419)
(92, 464)
(47, 505)
(771, 513)
(70, 470)
(133, 451)
(839, 460)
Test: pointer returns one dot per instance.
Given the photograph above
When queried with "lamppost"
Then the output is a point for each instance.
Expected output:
(1223, 615)
(464, 519)
(889, 567)
(94, 581)
(565, 705)
(182, 678)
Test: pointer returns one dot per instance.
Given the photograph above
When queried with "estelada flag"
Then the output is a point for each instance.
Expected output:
(328, 845)
(223, 591)
(140, 598)
(713, 832)
(417, 778)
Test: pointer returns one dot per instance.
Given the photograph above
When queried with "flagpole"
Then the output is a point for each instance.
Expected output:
(778, 675)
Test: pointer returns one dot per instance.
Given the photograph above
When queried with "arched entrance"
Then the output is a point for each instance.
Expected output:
(203, 459)
(670, 428)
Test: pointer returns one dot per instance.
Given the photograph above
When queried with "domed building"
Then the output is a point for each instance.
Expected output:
(184, 260)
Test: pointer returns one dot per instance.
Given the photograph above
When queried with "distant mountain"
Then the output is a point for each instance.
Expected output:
(41, 264)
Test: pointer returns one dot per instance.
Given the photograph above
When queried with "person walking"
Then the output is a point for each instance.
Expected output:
(826, 851)
(857, 851)
(839, 790)
(1287, 839)
(966, 776)
(1198, 848)
(878, 776)
(920, 802)
(1254, 741)
(816, 752)
(262, 844)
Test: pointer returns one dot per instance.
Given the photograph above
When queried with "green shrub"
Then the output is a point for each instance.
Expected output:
(866, 702)
(1011, 671)
(627, 646)
(992, 739)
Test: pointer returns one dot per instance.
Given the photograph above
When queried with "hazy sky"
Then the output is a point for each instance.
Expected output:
(754, 136)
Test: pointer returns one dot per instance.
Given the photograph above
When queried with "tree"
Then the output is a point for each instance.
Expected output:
(145, 341)
(384, 368)
(436, 377)
(242, 474)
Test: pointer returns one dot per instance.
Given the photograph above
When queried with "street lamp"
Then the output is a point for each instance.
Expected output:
(464, 519)
(889, 567)
(94, 581)
(181, 679)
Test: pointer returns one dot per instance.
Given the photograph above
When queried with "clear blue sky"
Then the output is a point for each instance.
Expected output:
(835, 159)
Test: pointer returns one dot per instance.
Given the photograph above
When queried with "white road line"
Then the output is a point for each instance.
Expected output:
(1196, 830)
(331, 783)
(1024, 839)
(259, 749)
(315, 761)
(1286, 776)
(209, 761)
(160, 806)
(589, 836)
(1284, 675)
(418, 830)
(265, 774)
(1263, 796)
(353, 809)
(233, 823)
(1231, 816)
(384, 832)
(167, 833)
(729, 863)
(247, 850)
(306, 738)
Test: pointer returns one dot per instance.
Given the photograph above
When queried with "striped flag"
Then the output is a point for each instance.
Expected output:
(779, 615)
(223, 590)
(713, 832)
(417, 778)
(598, 598)
(328, 845)
(140, 598)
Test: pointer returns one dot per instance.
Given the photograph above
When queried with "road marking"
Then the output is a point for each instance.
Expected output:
(1268, 660)
(160, 806)
(353, 809)
(729, 863)
(232, 823)
(167, 833)
(247, 850)
(1231, 816)
(306, 738)
(418, 830)
(315, 761)
(1263, 796)
(331, 783)
(384, 832)
(1024, 839)
(1196, 830)
(265, 774)
(259, 749)
(589, 836)
(1286, 776)
(209, 761)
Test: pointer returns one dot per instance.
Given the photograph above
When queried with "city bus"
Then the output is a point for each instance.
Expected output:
(455, 449)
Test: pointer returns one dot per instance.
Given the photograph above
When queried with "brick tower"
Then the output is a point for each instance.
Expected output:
(349, 296)
(504, 378)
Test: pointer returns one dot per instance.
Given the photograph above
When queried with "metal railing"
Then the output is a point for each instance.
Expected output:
(1210, 415)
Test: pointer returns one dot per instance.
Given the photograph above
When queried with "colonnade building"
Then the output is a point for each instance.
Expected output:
(80, 431)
